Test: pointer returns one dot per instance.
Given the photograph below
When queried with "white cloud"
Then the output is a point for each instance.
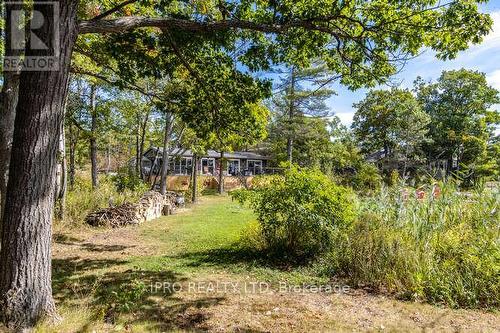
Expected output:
(346, 118)
(493, 79)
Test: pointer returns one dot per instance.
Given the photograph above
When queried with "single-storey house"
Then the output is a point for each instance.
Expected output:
(238, 163)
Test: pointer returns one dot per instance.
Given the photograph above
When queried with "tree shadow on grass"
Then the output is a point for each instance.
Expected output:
(117, 293)
(69, 240)
(103, 248)
(237, 255)
(64, 239)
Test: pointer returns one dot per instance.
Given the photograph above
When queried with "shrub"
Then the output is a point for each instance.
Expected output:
(442, 250)
(126, 179)
(298, 212)
(367, 179)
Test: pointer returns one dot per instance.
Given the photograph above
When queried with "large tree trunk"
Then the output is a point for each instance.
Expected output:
(25, 257)
(166, 152)
(8, 103)
(93, 138)
(220, 188)
(7, 115)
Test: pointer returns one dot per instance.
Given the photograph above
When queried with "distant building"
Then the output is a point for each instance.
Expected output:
(437, 168)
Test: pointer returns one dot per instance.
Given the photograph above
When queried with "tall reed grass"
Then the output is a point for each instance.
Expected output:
(442, 250)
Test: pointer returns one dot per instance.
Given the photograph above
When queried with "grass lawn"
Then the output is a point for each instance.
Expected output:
(157, 277)
(205, 240)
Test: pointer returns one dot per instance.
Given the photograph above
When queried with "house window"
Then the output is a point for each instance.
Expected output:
(185, 165)
(233, 167)
(254, 167)
(181, 166)
(171, 165)
(207, 166)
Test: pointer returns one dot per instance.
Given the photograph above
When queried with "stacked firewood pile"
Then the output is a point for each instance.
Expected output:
(151, 206)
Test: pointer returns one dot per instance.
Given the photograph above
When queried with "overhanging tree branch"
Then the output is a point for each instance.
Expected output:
(133, 22)
(129, 86)
(112, 10)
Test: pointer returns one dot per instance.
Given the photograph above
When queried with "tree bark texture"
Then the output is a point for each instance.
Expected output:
(25, 257)
(7, 114)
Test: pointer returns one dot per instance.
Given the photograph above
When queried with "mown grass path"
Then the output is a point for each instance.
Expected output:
(169, 275)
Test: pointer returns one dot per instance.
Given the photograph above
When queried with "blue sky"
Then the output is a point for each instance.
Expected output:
(484, 57)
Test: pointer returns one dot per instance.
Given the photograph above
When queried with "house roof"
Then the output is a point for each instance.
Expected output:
(376, 156)
(211, 153)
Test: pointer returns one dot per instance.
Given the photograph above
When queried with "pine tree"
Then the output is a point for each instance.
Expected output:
(301, 94)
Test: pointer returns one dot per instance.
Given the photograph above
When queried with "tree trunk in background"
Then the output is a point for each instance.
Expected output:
(93, 138)
(153, 167)
(61, 174)
(166, 152)
(64, 189)
(25, 257)
(137, 156)
(194, 197)
(8, 103)
(220, 188)
(289, 149)
(144, 126)
(108, 158)
(73, 138)
(291, 106)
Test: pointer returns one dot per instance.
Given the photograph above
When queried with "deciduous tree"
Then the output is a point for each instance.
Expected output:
(392, 121)
(463, 120)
